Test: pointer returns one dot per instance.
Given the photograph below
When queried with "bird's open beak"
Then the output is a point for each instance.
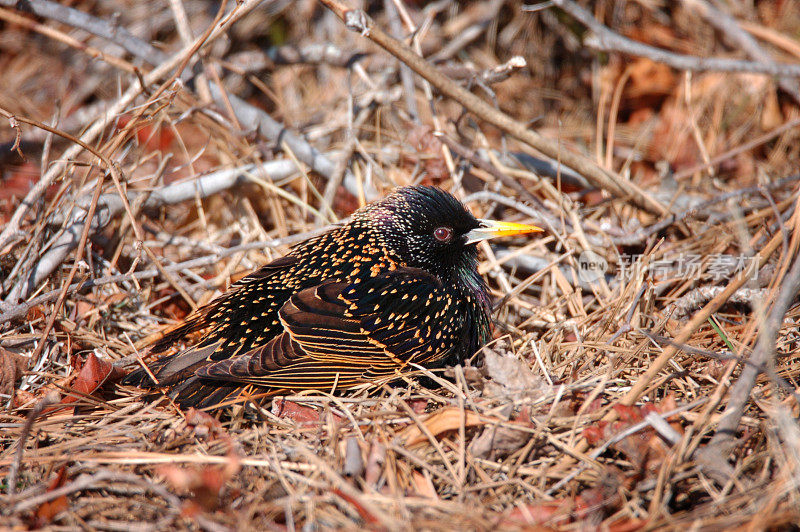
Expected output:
(491, 229)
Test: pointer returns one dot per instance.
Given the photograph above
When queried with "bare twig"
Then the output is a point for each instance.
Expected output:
(714, 455)
(488, 76)
(359, 21)
(253, 118)
(727, 24)
(312, 54)
(689, 302)
(77, 19)
(109, 205)
(13, 471)
(15, 18)
(608, 41)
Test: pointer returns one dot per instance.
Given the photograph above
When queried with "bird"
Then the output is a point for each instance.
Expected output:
(398, 285)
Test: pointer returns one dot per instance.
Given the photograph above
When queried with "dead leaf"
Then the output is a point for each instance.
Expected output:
(88, 376)
(625, 524)
(423, 486)
(418, 405)
(509, 376)
(446, 419)
(23, 398)
(645, 449)
(429, 153)
(203, 424)
(154, 137)
(83, 307)
(204, 483)
(91, 302)
(49, 509)
(588, 508)
(12, 367)
(649, 78)
(35, 313)
(300, 414)
(498, 442)
(92, 375)
(365, 514)
(552, 513)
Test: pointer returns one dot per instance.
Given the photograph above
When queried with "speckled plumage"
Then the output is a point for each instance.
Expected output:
(354, 305)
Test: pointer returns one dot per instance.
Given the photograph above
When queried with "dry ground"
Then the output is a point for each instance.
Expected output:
(643, 373)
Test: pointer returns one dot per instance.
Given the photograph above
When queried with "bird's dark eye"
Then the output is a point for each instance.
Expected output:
(443, 234)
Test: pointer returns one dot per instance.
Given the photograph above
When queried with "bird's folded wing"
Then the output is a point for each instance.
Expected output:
(342, 334)
(170, 370)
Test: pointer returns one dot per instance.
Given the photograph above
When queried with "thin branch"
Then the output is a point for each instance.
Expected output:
(714, 454)
(10, 231)
(728, 25)
(357, 20)
(109, 205)
(605, 40)
(78, 19)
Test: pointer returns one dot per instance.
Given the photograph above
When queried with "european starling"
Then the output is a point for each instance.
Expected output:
(396, 285)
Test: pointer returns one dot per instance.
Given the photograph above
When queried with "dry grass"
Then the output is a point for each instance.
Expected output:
(533, 430)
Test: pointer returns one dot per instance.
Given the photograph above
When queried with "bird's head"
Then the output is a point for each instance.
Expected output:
(430, 229)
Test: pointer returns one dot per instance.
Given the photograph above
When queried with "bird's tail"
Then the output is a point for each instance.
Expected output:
(200, 393)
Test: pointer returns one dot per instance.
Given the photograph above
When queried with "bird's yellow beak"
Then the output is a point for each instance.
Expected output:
(491, 229)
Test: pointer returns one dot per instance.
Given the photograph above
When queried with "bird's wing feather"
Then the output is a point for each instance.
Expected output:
(206, 315)
(341, 334)
(172, 369)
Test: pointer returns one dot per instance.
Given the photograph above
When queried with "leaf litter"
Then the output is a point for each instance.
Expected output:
(539, 430)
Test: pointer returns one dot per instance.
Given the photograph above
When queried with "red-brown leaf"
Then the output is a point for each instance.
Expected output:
(301, 414)
(550, 513)
(91, 375)
(49, 509)
(12, 366)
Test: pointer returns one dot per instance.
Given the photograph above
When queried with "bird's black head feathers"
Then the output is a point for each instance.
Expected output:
(426, 227)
